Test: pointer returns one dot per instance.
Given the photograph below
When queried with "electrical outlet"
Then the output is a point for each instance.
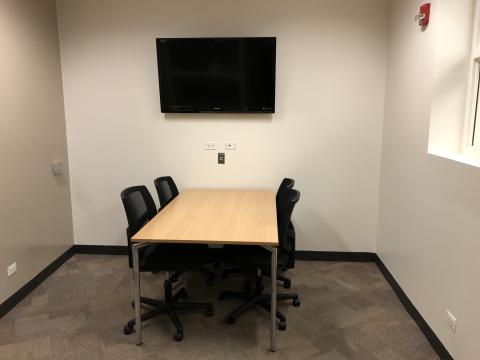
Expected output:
(12, 269)
(210, 145)
(451, 321)
(231, 146)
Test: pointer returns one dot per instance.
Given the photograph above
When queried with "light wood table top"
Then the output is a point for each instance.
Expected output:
(242, 217)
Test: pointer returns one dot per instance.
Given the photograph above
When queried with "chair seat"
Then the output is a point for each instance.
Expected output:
(173, 257)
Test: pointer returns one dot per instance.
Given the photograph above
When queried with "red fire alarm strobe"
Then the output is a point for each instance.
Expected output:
(424, 16)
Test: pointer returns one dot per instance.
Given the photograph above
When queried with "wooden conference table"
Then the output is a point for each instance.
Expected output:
(240, 217)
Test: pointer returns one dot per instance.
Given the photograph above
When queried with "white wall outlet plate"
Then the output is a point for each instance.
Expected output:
(209, 145)
(451, 321)
(230, 146)
(12, 269)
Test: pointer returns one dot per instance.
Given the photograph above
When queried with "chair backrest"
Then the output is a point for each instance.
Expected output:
(285, 185)
(284, 215)
(139, 208)
(166, 190)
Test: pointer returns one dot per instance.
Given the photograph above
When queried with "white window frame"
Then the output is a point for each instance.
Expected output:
(474, 108)
(472, 113)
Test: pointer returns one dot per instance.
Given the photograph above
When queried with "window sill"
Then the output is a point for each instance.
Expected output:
(467, 159)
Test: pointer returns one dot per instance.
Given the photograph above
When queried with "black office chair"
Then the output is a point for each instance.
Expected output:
(140, 208)
(259, 259)
(167, 191)
(289, 248)
(282, 191)
(285, 185)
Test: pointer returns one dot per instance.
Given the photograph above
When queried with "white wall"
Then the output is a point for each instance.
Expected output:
(429, 207)
(326, 133)
(35, 211)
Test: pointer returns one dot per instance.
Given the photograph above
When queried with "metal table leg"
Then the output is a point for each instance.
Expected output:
(273, 300)
(136, 292)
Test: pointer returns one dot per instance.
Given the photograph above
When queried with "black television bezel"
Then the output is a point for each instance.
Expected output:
(191, 110)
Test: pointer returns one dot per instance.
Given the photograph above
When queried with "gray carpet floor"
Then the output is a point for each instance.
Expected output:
(348, 311)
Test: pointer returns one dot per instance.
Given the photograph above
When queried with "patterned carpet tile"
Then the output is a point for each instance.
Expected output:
(348, 311)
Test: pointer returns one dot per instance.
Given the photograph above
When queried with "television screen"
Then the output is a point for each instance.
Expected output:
(217, 74)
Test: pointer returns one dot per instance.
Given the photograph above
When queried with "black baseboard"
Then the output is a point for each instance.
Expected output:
(437, 345)
(335, 256)
(101, 249)
(18, 296)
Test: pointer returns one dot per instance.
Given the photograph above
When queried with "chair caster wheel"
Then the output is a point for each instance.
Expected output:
(221, 296)
(210, 312)
(128, 329)
(287, 284)
(282, 326)
(178, 336)
(296, 302)
(231, 320)
(209, 281)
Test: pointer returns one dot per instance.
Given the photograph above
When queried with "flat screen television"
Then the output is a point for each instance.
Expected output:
(217, 74)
